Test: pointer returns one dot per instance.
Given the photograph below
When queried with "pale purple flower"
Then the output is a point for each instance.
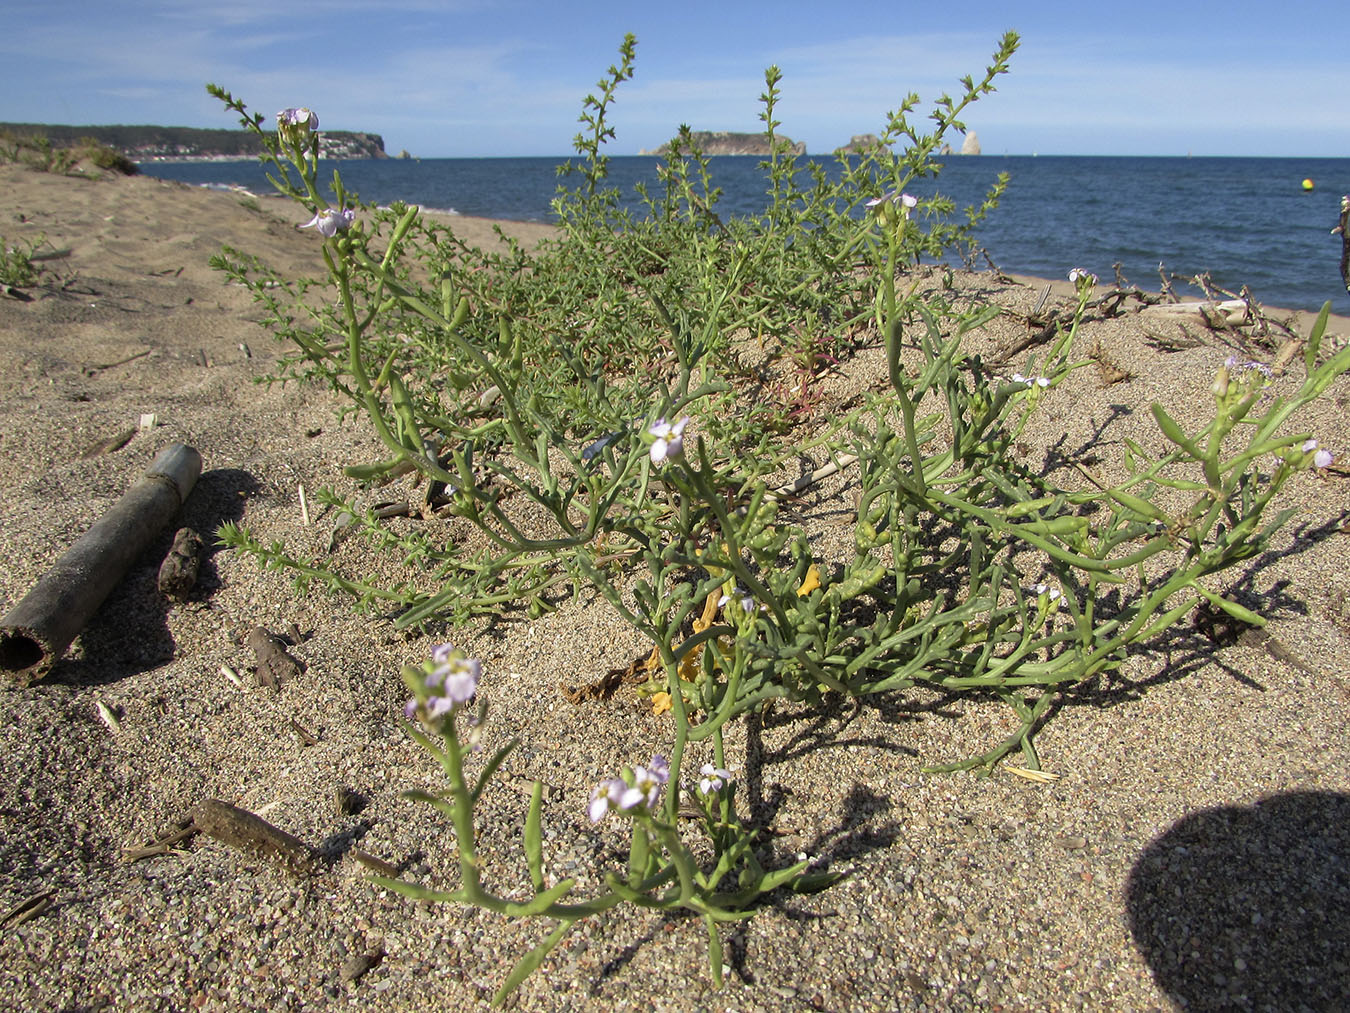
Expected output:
(893, 197)
(747, 602)
(458, 678)
(455, 676)
(1052, 594)
(616, 793)
(330, 222)
(1080, 274)
(302, 119)
(1322, 458)
(669, 439)
(1038, 381)
(1233, 362)
(713, 779)
(904, 201)
(605, 796)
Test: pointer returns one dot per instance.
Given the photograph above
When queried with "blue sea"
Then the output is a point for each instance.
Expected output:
(1245, 221)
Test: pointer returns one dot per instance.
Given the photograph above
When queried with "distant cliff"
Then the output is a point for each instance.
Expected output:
(147, 143)
(860, 144)
(727, 142)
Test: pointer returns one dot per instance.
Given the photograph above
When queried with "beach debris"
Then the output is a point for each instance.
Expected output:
(1216, 314)
(100, 367)
(163, 842)
(26, 910)
(178, 572)
(1108, 369)
(1287, 351)
(306, 737)
(109, 445)
(1027, 774)
(108, 716)
(376, 865)
(358, 964)
(274, 664)
(806, 481)
(148, 421)
(304, 507)
(232, 675)
(254, 836)
(36, 632)
(347, 802)
(606, 686)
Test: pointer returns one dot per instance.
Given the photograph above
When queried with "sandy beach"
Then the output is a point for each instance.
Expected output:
(1193, 852)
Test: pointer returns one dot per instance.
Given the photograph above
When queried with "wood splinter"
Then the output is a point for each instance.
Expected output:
(253, 835)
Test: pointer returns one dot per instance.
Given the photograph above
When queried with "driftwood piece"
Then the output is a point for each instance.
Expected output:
(1220, 314)
(253, 835)
(275, 664)
(37, 631)
(178, 572)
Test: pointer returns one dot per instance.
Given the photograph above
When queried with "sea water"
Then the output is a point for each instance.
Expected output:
(1244, 221)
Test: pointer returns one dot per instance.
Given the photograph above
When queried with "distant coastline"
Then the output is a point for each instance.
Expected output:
(145, 143)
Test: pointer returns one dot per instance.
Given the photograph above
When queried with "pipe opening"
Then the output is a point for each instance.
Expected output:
(19, 652)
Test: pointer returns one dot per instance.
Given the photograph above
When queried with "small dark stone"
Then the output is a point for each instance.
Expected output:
(356, 966)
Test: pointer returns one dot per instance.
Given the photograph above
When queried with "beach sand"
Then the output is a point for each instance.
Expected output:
(1193, 849)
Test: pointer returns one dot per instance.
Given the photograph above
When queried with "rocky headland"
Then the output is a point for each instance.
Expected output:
(728, 142)
(152, 143)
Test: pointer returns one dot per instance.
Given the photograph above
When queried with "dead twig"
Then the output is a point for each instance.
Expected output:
(26, 910)
(163, 844)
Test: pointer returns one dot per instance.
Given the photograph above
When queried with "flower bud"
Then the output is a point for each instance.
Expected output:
(1221, 382)
(296, 126)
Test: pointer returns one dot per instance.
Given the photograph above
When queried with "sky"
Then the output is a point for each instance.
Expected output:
(462, 78)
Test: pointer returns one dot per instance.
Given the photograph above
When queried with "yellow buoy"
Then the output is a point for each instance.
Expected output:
(1307, 184)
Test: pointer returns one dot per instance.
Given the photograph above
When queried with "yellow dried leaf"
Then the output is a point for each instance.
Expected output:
(709, 612)
(811, 582)
(689, 665)
(661, 703)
